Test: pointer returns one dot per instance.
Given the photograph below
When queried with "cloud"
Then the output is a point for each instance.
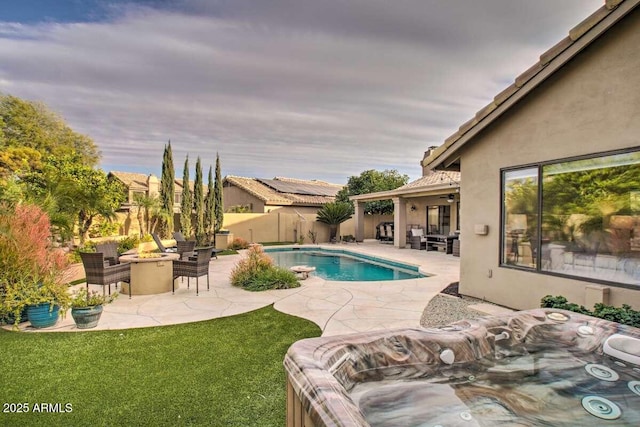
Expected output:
(318, 90)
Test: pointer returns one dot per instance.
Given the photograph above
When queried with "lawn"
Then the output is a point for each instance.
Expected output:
(221, 372)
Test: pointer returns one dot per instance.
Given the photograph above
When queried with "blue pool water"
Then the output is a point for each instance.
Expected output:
(343, 265)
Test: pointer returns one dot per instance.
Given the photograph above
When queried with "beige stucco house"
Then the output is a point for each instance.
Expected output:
(148, 185)
(551, 173)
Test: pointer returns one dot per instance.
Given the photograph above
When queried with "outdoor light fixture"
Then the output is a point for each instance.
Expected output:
(451, 198)
(413, 208)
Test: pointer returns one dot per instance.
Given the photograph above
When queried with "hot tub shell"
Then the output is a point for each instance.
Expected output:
(322, 373)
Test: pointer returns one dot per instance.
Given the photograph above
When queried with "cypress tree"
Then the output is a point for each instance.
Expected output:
(198, 202)
(219, 206)
(209, 208)
(186, 205)
(167, 189)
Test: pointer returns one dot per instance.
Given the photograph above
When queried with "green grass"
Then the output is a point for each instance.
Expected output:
(221, 372)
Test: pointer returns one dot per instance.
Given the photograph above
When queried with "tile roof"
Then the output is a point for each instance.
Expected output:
(550, 61)
(435, 178)
(271, 195)
(130, 179)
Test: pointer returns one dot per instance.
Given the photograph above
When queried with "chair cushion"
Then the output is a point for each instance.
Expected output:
(417, 232)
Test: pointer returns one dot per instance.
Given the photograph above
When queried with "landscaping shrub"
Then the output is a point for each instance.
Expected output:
(238, 243)
(256, 272)
(624, 315)
(31, 268)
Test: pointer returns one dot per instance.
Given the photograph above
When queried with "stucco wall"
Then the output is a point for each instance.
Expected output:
(285, 226)
(234, 196)
(591, 105)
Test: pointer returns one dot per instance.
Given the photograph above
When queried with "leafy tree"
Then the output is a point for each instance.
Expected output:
(372, 181)
(69, 189)
(198, 203)
(209, 207)
(29, 133)
(219, 203)
(333, 214)
(167, 190)
(186, 206)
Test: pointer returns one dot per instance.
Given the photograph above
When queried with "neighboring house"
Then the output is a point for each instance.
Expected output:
(431, 203)
(149, 185)
(551, 172)
(257, 195)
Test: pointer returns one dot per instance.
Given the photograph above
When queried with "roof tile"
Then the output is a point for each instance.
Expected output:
(505, 94)
(486, 111)
(579, 30)
(556, 50)
(529, 74)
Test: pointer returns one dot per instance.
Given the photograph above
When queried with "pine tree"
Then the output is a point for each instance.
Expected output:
(198, 203)
(167, 189)
(219, 206)
(209, 208)
(186, 205)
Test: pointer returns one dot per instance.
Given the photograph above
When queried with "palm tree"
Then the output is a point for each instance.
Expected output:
(333, 214)
(146, 205)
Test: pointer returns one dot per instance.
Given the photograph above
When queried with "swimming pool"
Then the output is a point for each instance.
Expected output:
(341, 265)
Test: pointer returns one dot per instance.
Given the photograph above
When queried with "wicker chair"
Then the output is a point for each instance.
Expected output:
(197, 268)
(162, 248)
(178, 236)
(186, 249)
(110, 251)
(100, 274)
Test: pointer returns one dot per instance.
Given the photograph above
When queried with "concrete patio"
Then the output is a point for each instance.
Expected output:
(336, 307)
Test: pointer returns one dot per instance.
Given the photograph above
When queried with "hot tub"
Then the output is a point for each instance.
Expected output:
(536, 367)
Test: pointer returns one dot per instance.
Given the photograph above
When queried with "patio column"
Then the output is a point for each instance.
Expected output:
(399, 222)
(359, 217)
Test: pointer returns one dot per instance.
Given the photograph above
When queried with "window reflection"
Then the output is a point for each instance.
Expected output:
(590, 218)
(520, 213)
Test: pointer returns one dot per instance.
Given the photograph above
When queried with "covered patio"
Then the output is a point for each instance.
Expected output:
(431, 203)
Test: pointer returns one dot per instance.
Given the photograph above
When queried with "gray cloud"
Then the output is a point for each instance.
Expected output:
(318, 90)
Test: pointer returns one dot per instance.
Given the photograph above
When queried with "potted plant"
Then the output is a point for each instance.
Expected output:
(31, 269)
(86, 307)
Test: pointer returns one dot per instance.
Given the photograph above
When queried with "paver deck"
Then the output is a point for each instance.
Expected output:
(337, 307)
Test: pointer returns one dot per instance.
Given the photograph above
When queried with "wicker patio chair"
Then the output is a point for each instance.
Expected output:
(110, 251)
(197, 268)
(186, 249)
(100, 274)
(178, 236)
(162, 248)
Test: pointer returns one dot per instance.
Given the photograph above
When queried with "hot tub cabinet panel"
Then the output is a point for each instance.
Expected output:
(535, 367)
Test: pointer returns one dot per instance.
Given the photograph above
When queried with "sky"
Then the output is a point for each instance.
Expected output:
(303, 89)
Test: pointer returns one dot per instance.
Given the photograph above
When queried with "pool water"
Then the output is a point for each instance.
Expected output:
(343, 267)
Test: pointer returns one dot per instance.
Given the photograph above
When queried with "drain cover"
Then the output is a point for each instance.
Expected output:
(601, 372)
(634, 386)
(601, 407)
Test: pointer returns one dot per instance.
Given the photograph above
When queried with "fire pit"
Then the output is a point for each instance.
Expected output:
(151, 273)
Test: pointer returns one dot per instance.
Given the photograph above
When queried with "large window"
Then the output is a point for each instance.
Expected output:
(589, 225)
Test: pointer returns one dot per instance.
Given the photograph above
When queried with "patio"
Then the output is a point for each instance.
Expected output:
(337, 307)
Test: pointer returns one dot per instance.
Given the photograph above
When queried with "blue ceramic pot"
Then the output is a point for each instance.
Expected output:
(41, 317)
(86, 317)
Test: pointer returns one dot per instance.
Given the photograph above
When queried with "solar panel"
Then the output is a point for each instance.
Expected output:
(300, 188)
